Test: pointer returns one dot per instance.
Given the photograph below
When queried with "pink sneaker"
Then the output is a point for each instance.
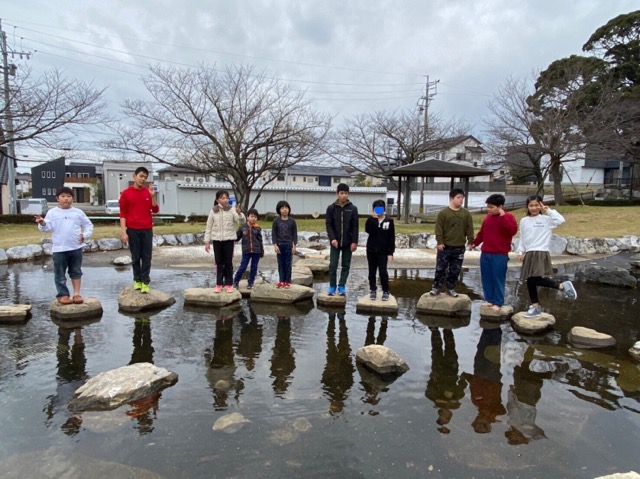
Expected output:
(218, 289)
(229, 288)
(287, 285)
(280, 285)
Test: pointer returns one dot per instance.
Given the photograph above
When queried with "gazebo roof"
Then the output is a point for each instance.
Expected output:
(439, 169)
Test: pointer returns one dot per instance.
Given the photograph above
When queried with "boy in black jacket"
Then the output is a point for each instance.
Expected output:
(381, 245)
(342, 228)
(252, 250)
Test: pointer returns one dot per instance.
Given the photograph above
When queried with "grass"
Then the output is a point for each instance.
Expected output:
(582, 222)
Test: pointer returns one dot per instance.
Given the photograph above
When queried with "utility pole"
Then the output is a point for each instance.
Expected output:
(430, 90)
(7, 70)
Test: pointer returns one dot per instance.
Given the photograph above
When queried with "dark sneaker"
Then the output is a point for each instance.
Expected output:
(342, 291)
(533, 311)
(434, 292)
(385, 296)
(332, 291)
(452, 293)
(249, 286)
(236, 285)
(569, 291)
(373, 294)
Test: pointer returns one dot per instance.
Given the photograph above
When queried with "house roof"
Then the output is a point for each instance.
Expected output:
(438, 169)
(447, 143)
(475, 149)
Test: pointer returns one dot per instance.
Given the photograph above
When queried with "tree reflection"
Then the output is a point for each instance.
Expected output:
(485, 383)
(283, 361)
(337, 377)
(444, 387)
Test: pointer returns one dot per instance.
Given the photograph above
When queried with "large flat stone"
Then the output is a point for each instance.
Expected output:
(207, 297)
(368, 305)
(590, 338)
(244, 289)
(491, 315)
(268, 293)
(301, 275)
(332, 301)
(111, 389)
(444, 305)
(90, 308)
(381, 359)
(15, 313)
(318, 264)
(133, 301)
(535, 325)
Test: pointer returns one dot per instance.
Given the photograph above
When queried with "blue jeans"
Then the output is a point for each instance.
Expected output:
(334, 256)
(63, 262)
(493, 271)
(285, 257)
(246, 257)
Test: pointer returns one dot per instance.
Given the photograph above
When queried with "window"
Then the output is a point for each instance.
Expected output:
(294, 179)
(53, 174)
(48, 174)
(73, 175)
(48, 191)
(44, 191)
(280, 177)
(43, 174)
(304, 179)
(316, 179)
(336, 179)
(68, 175)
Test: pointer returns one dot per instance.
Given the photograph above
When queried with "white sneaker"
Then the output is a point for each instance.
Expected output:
(533, 311)
(569, 290)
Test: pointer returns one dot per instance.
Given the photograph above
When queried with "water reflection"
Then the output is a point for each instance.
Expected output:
(220, 363)
(337, 377)
(445, 387)
(283, 361)
(485, 384)
(371, 331)
(250, 344)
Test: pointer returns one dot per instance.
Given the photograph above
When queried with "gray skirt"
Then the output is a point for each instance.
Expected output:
(536, 263)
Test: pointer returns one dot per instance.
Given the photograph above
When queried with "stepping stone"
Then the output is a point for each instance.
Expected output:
(122, 261)
(489, 314)
(444, 305)
(301, 275)
(268, 293)
(90, 308)
(207, 297)
(381, 359)
(15, 313)
(535, 325)
(334, 301)
(444, 322)
(634, 351)
(230, 423)
(318, 264)
(590, 338)
(133, 301)
(368, 305)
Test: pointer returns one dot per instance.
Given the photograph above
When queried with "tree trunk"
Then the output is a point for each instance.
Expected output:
(556, 171)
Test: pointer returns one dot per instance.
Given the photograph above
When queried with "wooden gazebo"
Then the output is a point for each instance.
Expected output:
(436, 169)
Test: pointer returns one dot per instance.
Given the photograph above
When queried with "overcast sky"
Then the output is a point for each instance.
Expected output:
(352, 57)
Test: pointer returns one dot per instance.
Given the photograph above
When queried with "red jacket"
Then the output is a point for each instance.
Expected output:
(136, 207)
(496, 233)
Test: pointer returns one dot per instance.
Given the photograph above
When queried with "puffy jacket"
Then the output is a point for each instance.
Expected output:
(251, 237)
(222, 223)
(342, 223)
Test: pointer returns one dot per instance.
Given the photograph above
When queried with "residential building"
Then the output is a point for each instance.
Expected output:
(47, 177)
(118, 175)
(303, 175)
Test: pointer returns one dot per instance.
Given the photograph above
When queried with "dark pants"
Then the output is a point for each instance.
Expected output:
(246, 257)
(378, 261)
(493, 272)
(141, 246)
(63, 262)
(223, 253)
(285, 257)
(333, 265)
(448, 266)
(534, 281)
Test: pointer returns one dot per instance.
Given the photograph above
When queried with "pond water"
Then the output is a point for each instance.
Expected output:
(478, 401)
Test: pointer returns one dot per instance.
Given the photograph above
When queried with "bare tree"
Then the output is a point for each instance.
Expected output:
(237, 123)
(47, 110)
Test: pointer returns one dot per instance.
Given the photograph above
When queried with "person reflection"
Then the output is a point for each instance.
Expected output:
(370, 338)
(221, 366)
(144, 410)
(523, 396)
(444, 387)
(71, 374)
(250, 343)
(485, 383)
(283, 361)
(337, 377)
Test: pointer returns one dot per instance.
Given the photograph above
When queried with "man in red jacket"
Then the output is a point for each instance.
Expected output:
(137, 203)
(496, 232)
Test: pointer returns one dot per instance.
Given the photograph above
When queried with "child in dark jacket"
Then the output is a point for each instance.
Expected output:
(284, 235)
(381, 245)
(252, 250)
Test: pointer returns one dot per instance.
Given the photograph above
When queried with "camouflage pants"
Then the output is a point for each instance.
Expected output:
(448, 266)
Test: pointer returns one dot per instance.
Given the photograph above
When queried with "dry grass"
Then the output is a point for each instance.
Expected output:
(582, 222)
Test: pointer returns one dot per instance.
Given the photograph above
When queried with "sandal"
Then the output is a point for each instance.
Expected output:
(65, 300)
(77, 299)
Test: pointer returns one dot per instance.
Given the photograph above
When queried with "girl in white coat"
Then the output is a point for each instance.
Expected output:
(222, 224)
(533, 251)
